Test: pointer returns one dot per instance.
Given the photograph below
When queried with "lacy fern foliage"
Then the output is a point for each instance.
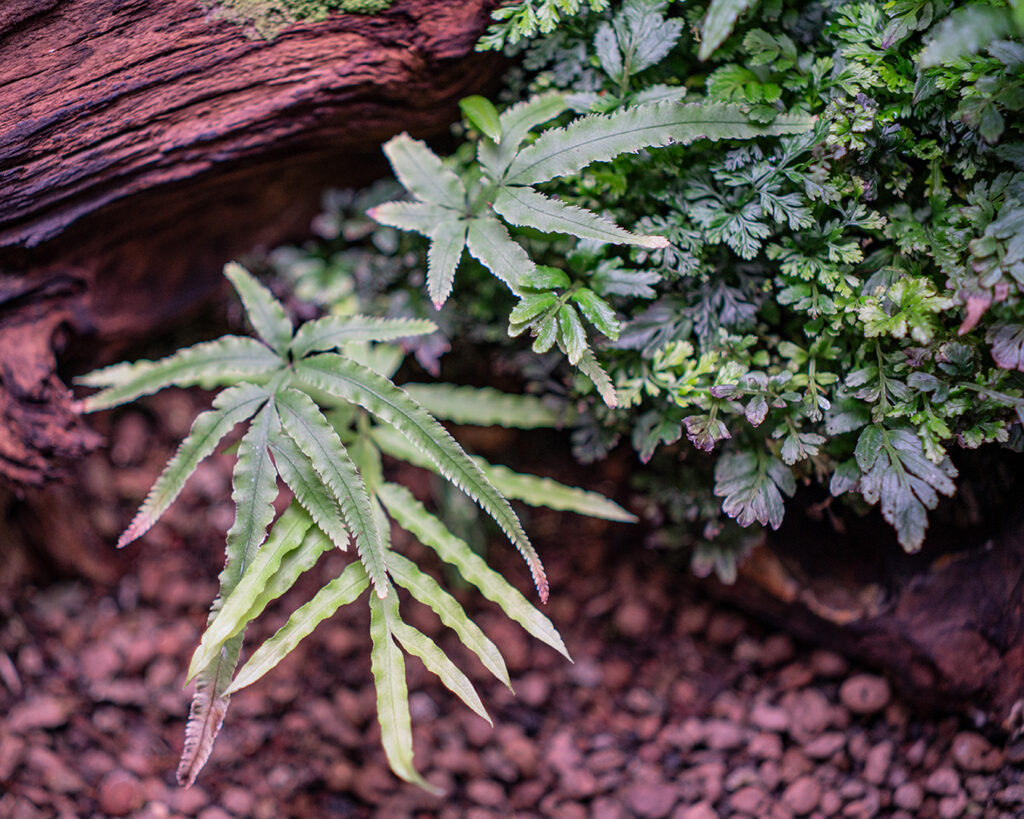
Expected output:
(321, 407)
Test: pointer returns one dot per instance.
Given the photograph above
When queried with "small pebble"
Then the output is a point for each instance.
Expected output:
(802, 795)
(865, 693)
(943, 782)
(120, 793)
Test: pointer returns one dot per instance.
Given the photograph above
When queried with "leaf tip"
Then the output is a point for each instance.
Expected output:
(654, 242)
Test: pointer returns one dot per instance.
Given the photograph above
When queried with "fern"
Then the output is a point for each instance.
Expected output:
(331, 463)
(459, 214)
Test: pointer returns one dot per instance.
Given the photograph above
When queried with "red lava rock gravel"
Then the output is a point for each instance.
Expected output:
(674, 707)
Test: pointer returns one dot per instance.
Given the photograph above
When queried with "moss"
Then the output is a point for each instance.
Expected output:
(268, 17)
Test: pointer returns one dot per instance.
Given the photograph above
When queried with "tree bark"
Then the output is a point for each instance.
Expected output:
(143, 143)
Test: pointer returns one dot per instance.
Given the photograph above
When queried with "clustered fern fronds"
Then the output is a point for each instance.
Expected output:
(458, 214)
(331, 462)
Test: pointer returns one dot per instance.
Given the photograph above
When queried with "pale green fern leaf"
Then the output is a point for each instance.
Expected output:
(298, 472)
(264, 312)
(422, 173)
(537, 491)
(236, 610)
(332, 332)
(601, 137)
(231, 407)
(306, 425)
(351, 382)
(719, 21)
(447, 241)
(429, 592)
(388, 667)
(525, 207)
(226, 361)
(485, 406)
(419, 217)
(490, 243)
(341, 591)
(412, 516)
(420, 645)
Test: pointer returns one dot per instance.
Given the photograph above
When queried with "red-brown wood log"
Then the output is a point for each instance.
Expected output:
(143, 143)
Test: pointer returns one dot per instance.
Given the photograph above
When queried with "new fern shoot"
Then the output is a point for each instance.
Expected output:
(320, 408)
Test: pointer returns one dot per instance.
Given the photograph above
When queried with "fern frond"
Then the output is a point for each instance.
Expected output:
(231, 407)
(537, 491)
(254, 487)
(429, 592)
(601, 137)
(486, 406)
(341, 591)
(420, 645)
(306, 425)
(489, 242)
(447, 241)
(226, 361)
(349, 381)
(237, 609)
(388, 667)
(265, 313)
(331, 332)
(412, 516)
(423, 174)
(298, 472)
(525, 207)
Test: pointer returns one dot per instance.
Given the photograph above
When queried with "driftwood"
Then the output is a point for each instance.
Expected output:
(143, 143)
(947, 624)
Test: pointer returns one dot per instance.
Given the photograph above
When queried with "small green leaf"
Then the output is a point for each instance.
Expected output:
(528, 308)
(597, 311)
(339, 592)
(264, 312)
(516, 122)
(571, 334)
(546, 331)
(482, 115)
(545, 278)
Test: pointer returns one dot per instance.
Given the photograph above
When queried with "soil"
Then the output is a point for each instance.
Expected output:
(675, 706)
